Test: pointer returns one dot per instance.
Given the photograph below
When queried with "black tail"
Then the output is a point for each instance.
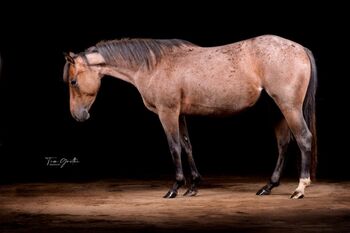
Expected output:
(309, 110)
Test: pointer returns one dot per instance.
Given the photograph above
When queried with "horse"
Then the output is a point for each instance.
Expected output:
(0, 79)
(177, 78)
(0, 83)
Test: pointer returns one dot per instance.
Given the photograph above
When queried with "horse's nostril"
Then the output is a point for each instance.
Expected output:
(85, 114)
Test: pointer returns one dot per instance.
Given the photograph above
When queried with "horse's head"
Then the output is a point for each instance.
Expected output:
(84, 82)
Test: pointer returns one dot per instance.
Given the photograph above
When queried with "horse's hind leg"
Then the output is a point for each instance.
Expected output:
(303, 137)
(170, 123)
(282, 132)
(186, 145)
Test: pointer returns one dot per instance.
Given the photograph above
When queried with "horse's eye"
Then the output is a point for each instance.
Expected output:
(73, 82)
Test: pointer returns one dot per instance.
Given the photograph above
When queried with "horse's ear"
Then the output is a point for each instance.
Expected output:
(69, 57)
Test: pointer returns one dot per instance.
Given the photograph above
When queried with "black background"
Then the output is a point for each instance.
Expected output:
(122, 138)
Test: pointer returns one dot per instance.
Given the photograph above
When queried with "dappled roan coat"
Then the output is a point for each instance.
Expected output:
(177, 78)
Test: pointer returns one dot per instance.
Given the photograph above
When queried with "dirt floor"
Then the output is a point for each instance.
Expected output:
(224, 204)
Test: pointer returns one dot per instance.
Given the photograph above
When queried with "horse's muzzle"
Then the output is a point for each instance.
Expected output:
(81, 115)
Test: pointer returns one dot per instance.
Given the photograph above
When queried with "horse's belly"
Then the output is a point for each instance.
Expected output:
(219, 103)
(199, 109)
(217, 106)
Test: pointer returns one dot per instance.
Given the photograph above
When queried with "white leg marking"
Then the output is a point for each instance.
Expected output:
(303, 183)
(300, 191)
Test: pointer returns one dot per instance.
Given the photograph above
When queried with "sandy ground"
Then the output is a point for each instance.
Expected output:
(224, 204)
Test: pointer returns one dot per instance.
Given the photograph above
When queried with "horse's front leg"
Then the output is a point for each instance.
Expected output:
(170, 122)
(186, 145)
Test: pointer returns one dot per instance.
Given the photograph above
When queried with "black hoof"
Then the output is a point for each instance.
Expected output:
(263, 191)
(191, 192)
(170, 194)
(297, 195)
(266, 190)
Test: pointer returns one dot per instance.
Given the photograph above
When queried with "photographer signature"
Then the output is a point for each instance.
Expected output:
(60, 162)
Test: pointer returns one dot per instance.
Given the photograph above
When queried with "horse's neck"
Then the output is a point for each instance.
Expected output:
(137, 77)
(97, 62)
(123, 74)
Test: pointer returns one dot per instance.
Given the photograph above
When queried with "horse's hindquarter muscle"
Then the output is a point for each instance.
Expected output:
(284, 68)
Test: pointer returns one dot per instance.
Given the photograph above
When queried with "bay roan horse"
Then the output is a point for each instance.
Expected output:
(177, 78)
